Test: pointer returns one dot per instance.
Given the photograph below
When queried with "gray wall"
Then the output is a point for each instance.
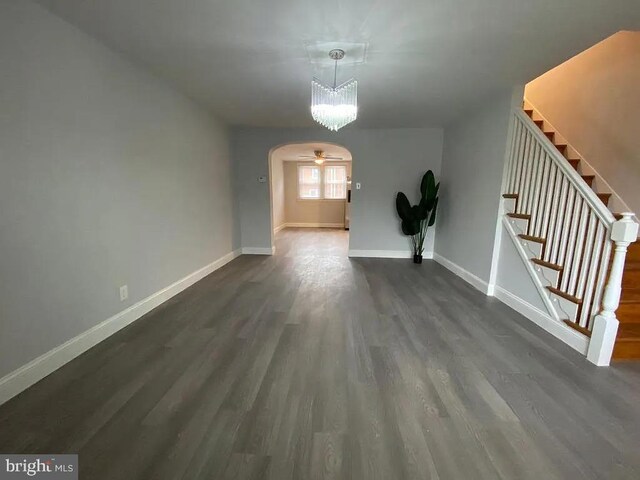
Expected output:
(385, 161)
(472, 167)
(513, 276)
(107, 177)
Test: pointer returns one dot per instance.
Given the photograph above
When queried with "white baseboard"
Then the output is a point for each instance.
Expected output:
(312, 225)
(258, 250)
(574, 339)
(34, 371)
(387, 254)
(559, 330)
(467, 276)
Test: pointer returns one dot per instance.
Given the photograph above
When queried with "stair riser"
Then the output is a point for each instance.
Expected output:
(564, 307)
(631, 279)
(533, 249)
(627, 318)
(509, 205)
(627, 350)
(519, 225)
(633, 253)
(547, 276)
(629, 310)
(630, 295)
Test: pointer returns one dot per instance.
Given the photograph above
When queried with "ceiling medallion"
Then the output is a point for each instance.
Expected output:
(334, 107)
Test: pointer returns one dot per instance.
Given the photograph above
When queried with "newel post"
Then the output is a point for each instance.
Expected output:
(605, 324)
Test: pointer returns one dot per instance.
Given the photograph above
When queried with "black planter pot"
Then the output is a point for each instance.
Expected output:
(417, 259)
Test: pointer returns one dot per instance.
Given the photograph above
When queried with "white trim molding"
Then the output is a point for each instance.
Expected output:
(387, 254)
(311, 225)
(559, 330)
(467, 276)
(34, 371)
(279, 227)
(258, 250)
(574, 339)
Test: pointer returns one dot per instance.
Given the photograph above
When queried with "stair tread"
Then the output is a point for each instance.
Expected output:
(565, 295)
(531, 238)
(577, 327)
(633, 252)
(522, 216)
(510, 195)
(550, 265)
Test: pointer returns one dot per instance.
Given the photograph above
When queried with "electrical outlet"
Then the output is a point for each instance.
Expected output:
(358, 185)
(124, 293)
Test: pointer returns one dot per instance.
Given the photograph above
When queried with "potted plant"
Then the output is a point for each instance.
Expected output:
(418, 218)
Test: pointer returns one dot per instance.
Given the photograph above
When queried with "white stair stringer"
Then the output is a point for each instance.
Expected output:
(557, 307)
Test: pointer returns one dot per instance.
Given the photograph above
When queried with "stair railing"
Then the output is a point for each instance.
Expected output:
(577, 232)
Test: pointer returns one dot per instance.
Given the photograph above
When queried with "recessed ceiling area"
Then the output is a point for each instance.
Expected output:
(426, 60)
(293, 152)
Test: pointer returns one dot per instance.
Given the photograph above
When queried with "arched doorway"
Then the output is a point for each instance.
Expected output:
(310, 198)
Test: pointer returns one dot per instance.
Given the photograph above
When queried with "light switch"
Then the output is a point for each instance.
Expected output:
(357, 185)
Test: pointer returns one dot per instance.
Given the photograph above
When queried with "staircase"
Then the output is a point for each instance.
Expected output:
(628, 341)
(560, 214)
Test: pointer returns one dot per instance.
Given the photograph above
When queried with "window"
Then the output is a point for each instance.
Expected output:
(308, 181)
(335, 182)
(322, 182)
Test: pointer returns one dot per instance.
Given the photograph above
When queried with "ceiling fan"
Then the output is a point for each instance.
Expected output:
(319, 157)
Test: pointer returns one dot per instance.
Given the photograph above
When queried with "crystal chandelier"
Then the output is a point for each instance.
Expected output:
(334, 107)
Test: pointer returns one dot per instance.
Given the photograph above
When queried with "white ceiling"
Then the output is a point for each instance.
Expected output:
(426, 59)
(293, 151)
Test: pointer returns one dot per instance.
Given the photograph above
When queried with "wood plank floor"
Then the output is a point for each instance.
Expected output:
(308, 365)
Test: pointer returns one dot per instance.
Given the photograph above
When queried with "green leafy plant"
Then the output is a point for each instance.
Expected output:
(418, 218)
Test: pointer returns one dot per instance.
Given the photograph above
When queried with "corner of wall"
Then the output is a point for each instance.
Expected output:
(474, 153)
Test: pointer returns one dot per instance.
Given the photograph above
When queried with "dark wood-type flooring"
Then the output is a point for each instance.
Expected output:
(309, 365)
